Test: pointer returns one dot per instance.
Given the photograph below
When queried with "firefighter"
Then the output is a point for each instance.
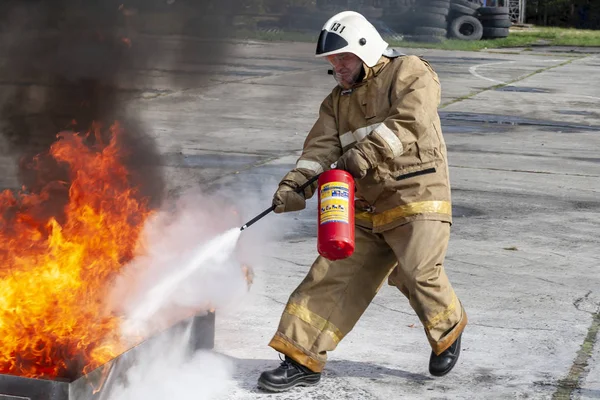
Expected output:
(380, 123)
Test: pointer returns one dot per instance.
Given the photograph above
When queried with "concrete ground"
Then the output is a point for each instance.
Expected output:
(523, 254)
(522, 129)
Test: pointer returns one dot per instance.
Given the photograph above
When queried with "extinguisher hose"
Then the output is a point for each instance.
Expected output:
(270, 209)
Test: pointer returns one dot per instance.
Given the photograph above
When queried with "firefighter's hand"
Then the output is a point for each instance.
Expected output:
(286, 199)
(354, 162)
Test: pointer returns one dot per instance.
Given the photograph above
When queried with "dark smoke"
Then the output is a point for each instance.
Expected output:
(66, 64)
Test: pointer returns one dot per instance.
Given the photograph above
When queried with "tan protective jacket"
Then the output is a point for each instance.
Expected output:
(391, 118)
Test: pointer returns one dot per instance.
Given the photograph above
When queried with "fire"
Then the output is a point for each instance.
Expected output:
(54, 271)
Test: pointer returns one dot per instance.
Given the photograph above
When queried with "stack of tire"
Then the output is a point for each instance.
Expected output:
(429, 20)
(495, 21)
(463, 23)
(396, 14)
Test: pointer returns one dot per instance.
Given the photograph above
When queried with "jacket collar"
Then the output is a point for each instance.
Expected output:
(372, 72)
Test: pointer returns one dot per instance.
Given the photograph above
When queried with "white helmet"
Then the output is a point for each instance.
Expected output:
(350, 32)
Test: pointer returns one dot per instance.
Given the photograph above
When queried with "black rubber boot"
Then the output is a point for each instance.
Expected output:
(288, 375)
(442, 364)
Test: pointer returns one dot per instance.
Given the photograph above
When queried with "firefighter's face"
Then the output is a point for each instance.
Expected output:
(346, 68)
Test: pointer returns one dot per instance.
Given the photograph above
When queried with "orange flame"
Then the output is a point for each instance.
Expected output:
(54, 276)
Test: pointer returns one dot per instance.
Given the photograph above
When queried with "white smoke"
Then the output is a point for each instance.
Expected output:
(189, 260)
(164, 370)
(187, 264)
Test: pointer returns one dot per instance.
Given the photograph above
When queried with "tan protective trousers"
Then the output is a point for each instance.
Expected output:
(334, 294)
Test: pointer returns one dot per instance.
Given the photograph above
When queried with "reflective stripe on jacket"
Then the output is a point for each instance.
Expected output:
(396, 103)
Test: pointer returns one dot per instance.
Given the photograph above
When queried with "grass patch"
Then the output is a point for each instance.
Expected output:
(569, 385)
(563, 37)
(519, 37)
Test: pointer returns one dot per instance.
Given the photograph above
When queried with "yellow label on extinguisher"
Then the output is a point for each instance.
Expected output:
(334, 203)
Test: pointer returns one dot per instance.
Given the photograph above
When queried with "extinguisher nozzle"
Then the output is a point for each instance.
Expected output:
(258, 217)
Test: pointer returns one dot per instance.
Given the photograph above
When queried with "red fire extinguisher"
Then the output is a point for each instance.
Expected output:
(335, 234)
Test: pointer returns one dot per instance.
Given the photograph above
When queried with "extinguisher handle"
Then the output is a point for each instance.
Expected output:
(300, 189)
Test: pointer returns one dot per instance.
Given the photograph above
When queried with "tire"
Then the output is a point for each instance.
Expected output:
(396, 10)
(466, 3)
(497, 23)
(493, 10)
(435, 3)
(434, 10)
(465, 27)
(430, 31)
(493, 17)
(458, 10)
(433, 20)
(491, 33)
(402, 10)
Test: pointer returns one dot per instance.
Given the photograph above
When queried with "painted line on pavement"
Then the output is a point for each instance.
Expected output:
(579, 371)
(474, 68)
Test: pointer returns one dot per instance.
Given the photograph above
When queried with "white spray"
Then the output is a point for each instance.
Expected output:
(188, 262)
(202, 259)
(189, 258)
